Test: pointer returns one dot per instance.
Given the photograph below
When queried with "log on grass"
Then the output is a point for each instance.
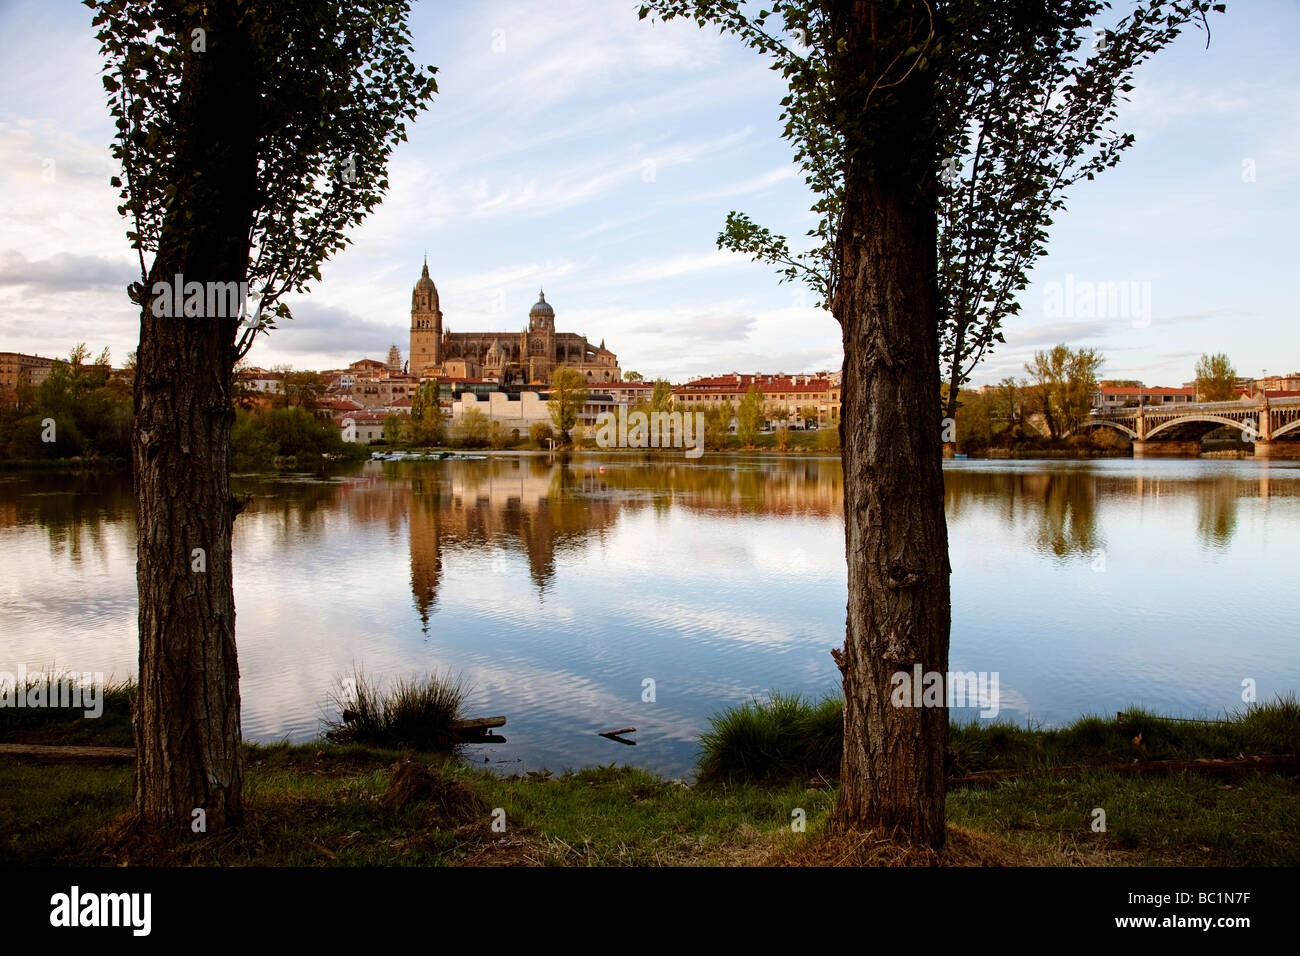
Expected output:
(58, 754)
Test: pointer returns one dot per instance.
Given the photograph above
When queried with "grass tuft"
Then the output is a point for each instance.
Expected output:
(68, 725)
(785, 737)
(416, 713)
(789, 737)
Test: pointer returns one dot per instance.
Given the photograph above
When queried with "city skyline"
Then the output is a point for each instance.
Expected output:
(583, 152)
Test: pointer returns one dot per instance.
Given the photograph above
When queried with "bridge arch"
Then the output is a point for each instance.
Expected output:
(1216, 419)
(1105, 421)
(1293, 427)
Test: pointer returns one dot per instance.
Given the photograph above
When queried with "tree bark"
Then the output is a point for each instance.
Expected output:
(892, 775)
(187, 720)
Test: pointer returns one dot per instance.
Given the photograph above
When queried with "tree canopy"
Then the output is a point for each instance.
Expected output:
(568, 395)
(1027, 98)
(1216, 379)
(338, 89)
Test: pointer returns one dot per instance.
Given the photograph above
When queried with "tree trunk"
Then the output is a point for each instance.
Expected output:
(187, 721)
(892, 775)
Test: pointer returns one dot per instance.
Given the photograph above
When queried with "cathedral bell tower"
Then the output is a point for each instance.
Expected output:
(426, 325)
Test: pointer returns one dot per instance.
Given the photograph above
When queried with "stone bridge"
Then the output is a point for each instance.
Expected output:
(1159, 430)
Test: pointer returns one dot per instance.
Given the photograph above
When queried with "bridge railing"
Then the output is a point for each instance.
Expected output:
(1248, 404)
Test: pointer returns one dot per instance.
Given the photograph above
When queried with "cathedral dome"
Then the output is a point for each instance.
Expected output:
(424, 282)
(424, 297)
(542, 308)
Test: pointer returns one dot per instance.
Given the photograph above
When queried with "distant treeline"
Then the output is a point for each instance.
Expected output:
(81, 410)
(82, 413)
(265, 439)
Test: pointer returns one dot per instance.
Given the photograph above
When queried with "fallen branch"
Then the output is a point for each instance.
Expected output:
(55, 754)
(475, 730)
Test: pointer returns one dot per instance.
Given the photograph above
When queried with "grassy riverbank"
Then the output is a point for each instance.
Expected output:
(321, 805)
(326, 803)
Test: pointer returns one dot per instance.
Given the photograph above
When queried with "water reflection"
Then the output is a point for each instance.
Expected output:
(558, 586)
(73, 510)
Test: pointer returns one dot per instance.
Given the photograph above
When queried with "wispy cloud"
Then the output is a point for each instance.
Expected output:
(65, 272)
(753, 184)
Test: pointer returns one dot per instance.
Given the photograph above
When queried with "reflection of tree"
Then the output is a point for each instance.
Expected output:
(425, 543)
(73, 509)
(1063, 504)
(297, 507)
(1068, 520)
(1216, 510)
(786, 486)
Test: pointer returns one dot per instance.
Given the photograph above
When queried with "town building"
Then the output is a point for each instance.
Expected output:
(512, 358)
(517, 412)
(813, 398)
(336, 408)
(17, 368)
(364, 426)
(1279, 383)
(630, 393)
(260, 381)
(370, 383)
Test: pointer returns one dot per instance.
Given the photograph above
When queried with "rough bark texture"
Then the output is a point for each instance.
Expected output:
(892, 774)
(187, 724)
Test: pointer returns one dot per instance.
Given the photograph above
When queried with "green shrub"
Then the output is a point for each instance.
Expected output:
(790, 737)
(70, 725)
(416, 713)
(786, 736)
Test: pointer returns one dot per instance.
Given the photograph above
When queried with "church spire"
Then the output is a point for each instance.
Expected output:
(424, 273)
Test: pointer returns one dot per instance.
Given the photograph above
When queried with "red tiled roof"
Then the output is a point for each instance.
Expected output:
(1144, 389)
(738, 384)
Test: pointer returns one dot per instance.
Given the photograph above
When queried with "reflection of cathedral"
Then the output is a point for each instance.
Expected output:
(513, 358)
(531, 507)
(470, 512)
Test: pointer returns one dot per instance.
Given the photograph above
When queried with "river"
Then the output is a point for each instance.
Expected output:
(560, 590)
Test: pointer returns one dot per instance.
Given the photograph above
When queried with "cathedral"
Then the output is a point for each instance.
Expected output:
(512, 358)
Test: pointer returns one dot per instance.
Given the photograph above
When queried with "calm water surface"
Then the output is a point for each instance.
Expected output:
(558, 589)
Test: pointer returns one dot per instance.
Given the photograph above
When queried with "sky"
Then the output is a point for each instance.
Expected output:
(575, 147)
